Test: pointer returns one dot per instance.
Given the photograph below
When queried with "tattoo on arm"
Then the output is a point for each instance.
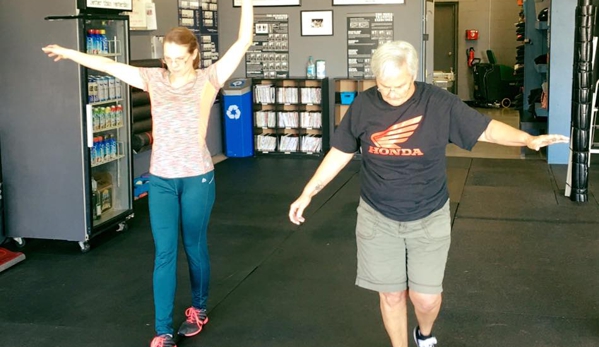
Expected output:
(318, 187)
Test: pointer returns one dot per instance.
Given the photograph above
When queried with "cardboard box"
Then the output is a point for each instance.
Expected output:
(104, 180)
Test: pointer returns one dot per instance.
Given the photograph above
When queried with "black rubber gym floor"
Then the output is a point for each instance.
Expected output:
(522, 269)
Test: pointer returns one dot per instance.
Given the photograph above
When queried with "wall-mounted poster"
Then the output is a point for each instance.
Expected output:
(201, 17)
(270, 3)
(317, 23)
(269, 55)
(365, 32)
(367, 2)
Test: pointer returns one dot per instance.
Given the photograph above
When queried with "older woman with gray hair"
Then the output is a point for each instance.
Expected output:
(403, 231)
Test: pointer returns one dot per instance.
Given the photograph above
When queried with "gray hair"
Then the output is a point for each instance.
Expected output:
(391, 56)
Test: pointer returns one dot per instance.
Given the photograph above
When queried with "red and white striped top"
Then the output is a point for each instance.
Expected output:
(179, 122)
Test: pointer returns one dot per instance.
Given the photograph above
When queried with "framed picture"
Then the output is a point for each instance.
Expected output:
(367, 2)
(270, 3)
(317, 23)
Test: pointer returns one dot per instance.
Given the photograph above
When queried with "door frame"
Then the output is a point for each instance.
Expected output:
(456, 10)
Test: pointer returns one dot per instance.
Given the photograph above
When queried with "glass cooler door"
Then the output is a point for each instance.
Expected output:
(108, 122)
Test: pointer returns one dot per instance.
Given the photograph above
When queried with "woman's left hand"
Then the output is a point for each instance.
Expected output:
(55, 51)
(537, 142)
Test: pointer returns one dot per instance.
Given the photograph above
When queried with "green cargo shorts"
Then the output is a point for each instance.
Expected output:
(394, 256)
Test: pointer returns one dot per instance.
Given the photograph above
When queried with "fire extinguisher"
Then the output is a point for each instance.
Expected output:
(470, 56)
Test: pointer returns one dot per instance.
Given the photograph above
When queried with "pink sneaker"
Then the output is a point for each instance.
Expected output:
(163, 341)
(196, 319)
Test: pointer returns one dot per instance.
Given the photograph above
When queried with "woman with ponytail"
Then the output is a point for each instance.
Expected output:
(182, 187)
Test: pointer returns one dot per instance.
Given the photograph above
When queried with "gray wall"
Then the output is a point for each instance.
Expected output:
(494, 20)
(408, 26)
(332, 49)
(167, 18)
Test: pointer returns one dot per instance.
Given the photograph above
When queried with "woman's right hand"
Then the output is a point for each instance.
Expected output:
(296, 210)
(55, 51)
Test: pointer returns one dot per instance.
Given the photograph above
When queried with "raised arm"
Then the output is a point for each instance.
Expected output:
(126, 73)
(503, 134)
(226, 65)
(332, 164)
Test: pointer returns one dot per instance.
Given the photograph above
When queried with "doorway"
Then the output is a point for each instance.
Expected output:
(445, 40)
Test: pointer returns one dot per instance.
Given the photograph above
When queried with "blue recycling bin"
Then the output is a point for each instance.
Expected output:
(238, 118)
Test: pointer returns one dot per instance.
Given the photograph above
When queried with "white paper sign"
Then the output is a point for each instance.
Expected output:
(111, 4)
(138, 17)
(367, 2)
(270, 3)
(151, 22)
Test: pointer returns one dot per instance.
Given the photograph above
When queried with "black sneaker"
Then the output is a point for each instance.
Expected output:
(430, 341)
(165, 340)
(196, 319)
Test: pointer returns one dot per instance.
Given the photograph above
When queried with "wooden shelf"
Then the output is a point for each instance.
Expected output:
(342, 85)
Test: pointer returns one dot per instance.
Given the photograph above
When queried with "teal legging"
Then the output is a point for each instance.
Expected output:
(185, 202)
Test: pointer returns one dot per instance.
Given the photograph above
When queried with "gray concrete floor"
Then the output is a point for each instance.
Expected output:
(521, 272)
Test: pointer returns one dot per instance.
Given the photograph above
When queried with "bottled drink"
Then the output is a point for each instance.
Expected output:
(100, 151)
(117, 88)
(92, 153)
(112, 147)
(106, 144)
(113, 116)
(111, 88)
(92, 89)
(310, 68)
(101, 118)
(96, 201)
(90, 43)
(98, 41)
(100, 81)
(95, 119)
(119, 113)
(103, 41)
(108, 116)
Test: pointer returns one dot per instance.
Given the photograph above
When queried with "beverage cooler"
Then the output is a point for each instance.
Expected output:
(67, 137)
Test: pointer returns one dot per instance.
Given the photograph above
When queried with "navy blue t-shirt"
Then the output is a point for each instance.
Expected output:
(403, 148)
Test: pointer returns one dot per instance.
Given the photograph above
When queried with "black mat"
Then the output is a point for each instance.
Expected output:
(521, 270)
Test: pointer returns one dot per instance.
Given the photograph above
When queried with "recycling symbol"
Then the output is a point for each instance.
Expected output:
(233, 112)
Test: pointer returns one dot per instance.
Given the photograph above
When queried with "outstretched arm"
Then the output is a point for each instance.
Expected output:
(126, 73)
(332, 164)
(503, 134)
(231, 59)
